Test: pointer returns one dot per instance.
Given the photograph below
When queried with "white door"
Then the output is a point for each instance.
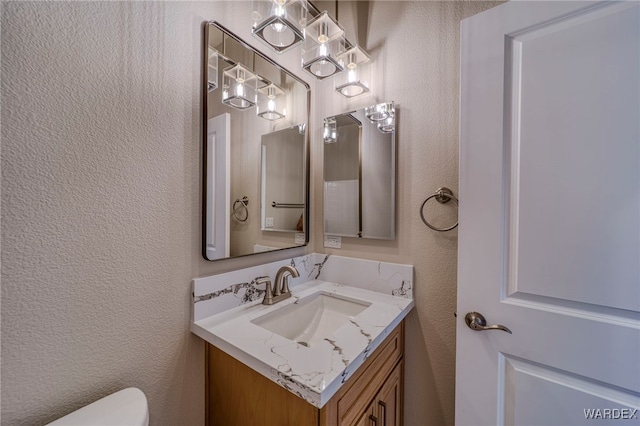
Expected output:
(549, 240)
(218, 187)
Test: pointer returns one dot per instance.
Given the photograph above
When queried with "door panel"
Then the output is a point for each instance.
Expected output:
(549, 239)
(574, 179)
(218, 187)
(553, 397)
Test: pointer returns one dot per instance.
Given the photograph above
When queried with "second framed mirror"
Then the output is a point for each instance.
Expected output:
(360, 173)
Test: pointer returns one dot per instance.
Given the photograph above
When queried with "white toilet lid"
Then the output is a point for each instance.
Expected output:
(127, 407)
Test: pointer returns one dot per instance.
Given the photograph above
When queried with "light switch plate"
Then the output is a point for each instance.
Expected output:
(332, 241)
(300, 238)
(268, 222)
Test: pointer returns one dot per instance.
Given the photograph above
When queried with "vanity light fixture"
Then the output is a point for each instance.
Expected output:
(380, 112)
(384, 115)
(212, 67)
(239, 87)
(354, 80)
(388, 125)
(323, 42)
(279, 23)
(270, 103)
(330, 130)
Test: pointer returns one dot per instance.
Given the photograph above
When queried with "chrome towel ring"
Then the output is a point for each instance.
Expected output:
(443, 195)
(240, 211)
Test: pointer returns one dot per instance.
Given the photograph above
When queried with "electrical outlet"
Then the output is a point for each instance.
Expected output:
(332, 241)
(300, 238)
(268, 222)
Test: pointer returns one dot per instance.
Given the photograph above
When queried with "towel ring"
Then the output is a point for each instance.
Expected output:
(443, 195)
(240, 205)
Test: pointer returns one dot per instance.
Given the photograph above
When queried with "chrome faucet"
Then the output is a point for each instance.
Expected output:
(280, 286)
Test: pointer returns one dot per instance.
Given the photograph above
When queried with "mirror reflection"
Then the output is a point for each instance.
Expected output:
(255, 151)
(283, 180)
(360, 173)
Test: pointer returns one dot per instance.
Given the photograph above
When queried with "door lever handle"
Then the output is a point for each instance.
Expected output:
(476, 321)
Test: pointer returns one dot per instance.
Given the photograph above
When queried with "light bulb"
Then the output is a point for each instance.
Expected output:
(322, 50)
(352, 76)
(240, 91)
(271, 105)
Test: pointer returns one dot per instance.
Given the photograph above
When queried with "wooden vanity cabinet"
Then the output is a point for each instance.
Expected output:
(237, 395)
(386, 408)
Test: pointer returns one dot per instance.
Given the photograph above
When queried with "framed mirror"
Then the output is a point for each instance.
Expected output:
(360, 173)
(255, 150)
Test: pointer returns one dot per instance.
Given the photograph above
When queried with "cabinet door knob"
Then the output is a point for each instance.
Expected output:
(373, 419)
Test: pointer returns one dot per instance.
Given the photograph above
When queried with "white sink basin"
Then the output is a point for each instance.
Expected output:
(312, 318)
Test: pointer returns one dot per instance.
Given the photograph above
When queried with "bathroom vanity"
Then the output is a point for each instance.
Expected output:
(238, 395)
(330, 354)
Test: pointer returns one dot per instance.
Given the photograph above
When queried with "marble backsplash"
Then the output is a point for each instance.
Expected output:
(218, 293)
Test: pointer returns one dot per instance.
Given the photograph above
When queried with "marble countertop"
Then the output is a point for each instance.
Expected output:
(313, 373)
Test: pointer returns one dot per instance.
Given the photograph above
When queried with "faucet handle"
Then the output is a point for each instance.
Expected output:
(268, 296)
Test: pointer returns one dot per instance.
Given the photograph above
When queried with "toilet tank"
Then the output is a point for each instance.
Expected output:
(127, 407)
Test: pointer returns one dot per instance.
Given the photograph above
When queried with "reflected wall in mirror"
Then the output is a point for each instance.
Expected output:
(360, 173)
(283, 180)
(255, 149)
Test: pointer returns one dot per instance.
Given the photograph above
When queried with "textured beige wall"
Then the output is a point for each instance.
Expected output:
(415, 46)
(101, 133)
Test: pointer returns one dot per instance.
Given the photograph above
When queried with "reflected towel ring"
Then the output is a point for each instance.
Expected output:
(240, 205)
(443, 195)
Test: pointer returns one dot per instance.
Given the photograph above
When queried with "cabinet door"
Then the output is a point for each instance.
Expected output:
(388, 402)
(369, 417)
(348, 407)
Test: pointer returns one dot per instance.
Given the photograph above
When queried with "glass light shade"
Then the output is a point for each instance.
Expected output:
(239, 87)
(323, 43)
(388, 125)
(271, 103)
(279, 23)
(212, 74)
(330, 134)
(380, 112)
(354, 80)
